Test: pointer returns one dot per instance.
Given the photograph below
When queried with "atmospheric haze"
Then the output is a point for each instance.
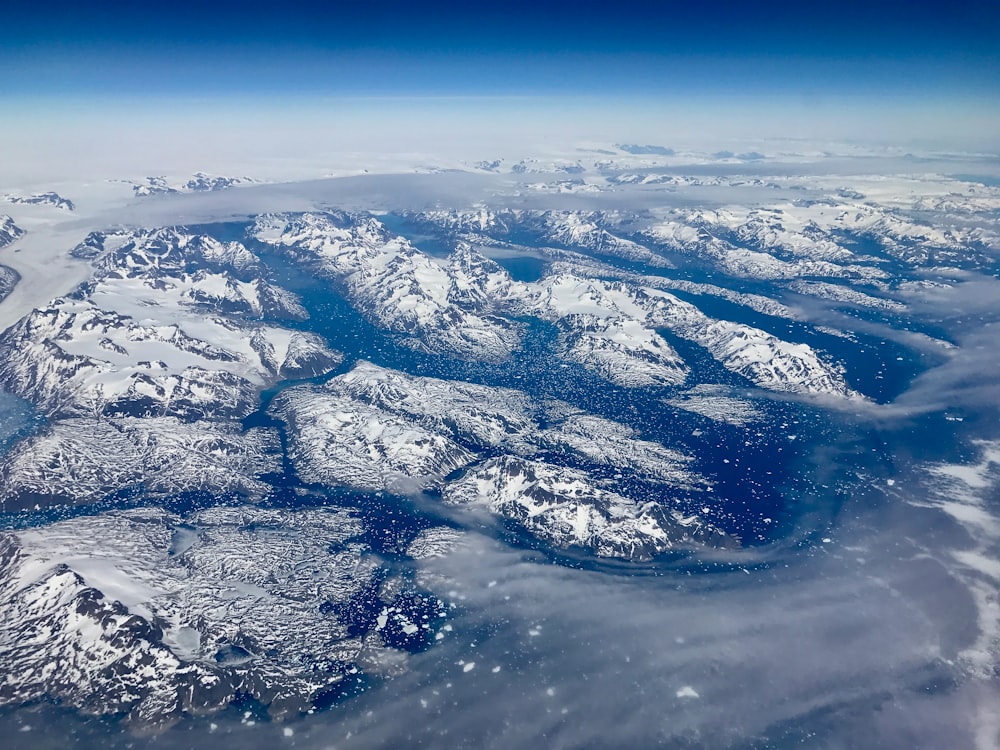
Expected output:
(489, 378)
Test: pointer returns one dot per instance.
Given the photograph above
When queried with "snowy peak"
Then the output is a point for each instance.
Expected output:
(337, 441)
(42, 199)
(482, 416)
(156, 358)
(462, 306)
(433, 306)
(603, 319)
(590, 232)
(604, 328)
(620, 350)
(97, 244)
(150, 616)
(75, 357)
(199, 182)
(476, 282)
(168, 251)
(381, 429)
(767, 360)
(565, 508)
(9, 231)
(792, 239)
(202, 182)
(152, 186)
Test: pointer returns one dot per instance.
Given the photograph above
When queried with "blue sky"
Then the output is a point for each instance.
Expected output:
(396, 48)
(919, 72)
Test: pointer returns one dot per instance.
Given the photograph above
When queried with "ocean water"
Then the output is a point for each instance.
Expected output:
(526, 268)
(763, 488)
(811, 635)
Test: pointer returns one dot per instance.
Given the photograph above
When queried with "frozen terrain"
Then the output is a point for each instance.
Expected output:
(378, 429)
(536, 435)
(146, 370)
(150, 615)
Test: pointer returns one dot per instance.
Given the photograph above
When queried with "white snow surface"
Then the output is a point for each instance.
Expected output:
(106, 613)
(145, 370)
(455, 306)
(762, 358)
(422, 299)
(381, 429)
(148, 336)
(565, 508)
(81, 460)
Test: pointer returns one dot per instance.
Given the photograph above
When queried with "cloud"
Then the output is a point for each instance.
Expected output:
(871, 627)
(838, 646)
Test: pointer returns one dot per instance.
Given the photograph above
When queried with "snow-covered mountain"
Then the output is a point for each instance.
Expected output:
(199, 182)
(82, 460)
(150, 334)
(42, 199)
(380, 429)
(607, 444)
(8, 280)
(430, 304)
(463, 306)
(758, 356)
(205, 509)
(340, 441)
(590, 231)
(159, 355)
(376, 428)
(565, 508)
(146, 369)
(202, 182)
(835, 234)
(822, 237)
(738, 255)
(620, 350)
(152, 615)
(9, 231)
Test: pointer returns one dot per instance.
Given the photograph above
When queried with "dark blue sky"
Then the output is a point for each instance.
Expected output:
(392, 48)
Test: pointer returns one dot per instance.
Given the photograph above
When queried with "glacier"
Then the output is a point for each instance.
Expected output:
(603, 416)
